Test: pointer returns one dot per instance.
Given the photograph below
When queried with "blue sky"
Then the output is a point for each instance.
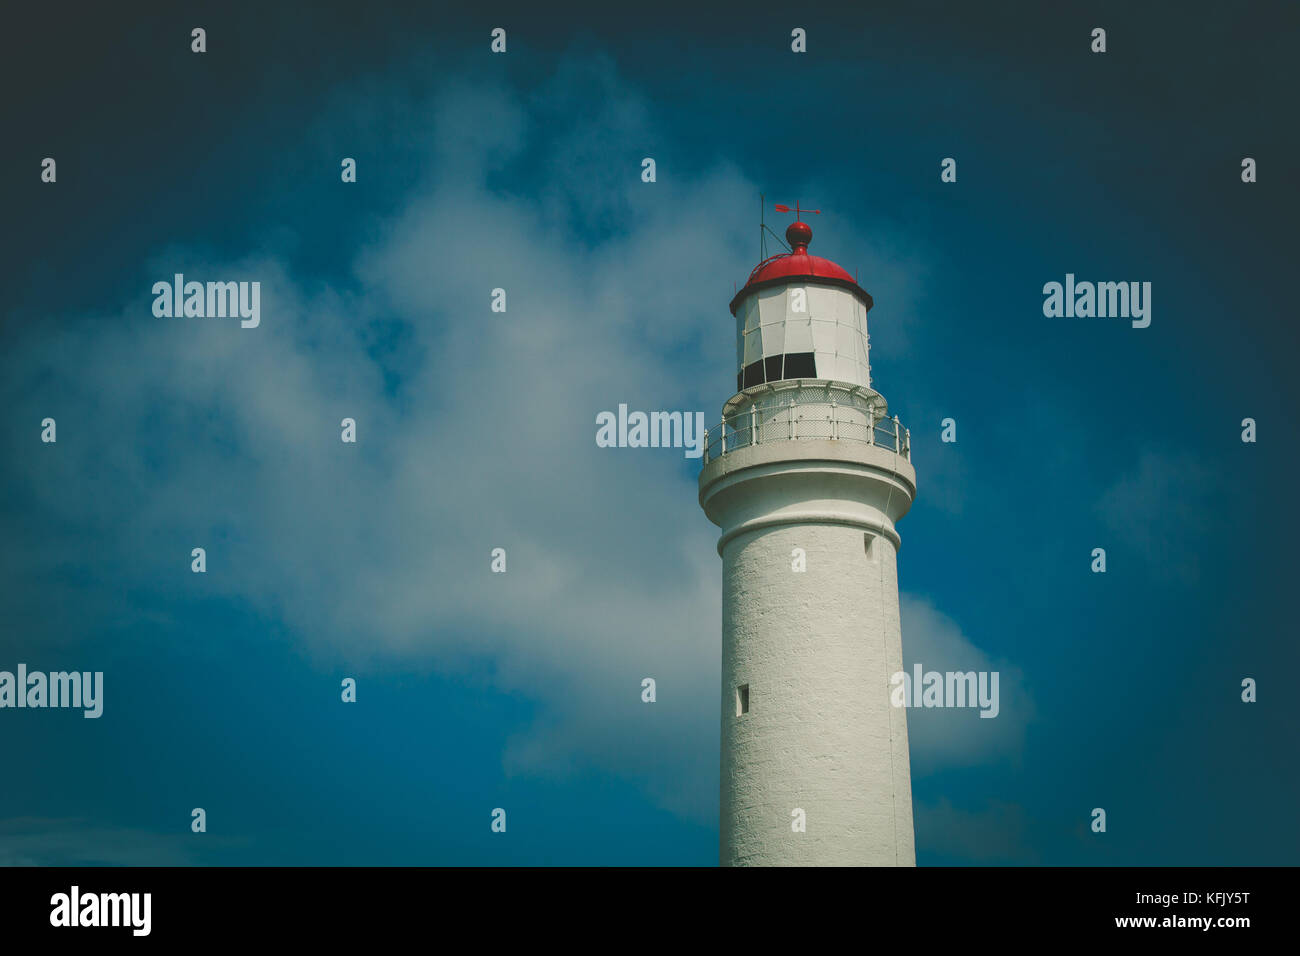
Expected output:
(476, 429)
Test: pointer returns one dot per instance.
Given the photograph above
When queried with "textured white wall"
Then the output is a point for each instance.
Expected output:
(817, 650)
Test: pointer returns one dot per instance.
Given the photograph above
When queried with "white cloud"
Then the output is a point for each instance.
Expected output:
(38, 841)
(951, 736)
(176, 433)
(476, 430)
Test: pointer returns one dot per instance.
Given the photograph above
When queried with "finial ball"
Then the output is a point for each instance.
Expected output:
(798, 234)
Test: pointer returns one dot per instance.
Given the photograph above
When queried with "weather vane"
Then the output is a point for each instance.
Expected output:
(764, 231)
(798, 210)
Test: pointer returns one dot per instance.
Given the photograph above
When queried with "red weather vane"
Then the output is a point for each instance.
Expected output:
(798, 210)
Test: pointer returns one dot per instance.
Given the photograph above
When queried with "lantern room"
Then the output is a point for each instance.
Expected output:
(800, 316)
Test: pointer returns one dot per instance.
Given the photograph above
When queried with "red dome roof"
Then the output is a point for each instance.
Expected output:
(798, 264)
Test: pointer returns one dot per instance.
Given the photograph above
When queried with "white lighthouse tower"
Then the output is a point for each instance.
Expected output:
(807, 475)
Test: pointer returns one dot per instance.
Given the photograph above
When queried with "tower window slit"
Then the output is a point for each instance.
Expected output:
(742, 699)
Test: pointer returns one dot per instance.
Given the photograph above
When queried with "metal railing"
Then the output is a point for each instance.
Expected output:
(794, 420)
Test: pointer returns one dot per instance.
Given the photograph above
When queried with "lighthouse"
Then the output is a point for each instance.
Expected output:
(806, 475)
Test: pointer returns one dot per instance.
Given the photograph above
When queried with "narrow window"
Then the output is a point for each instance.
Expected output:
(742, 699)
(867, 540)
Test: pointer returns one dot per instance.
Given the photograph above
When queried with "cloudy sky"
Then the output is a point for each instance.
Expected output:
(476, 429)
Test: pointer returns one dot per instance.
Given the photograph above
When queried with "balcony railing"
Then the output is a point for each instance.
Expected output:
(794, 420)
